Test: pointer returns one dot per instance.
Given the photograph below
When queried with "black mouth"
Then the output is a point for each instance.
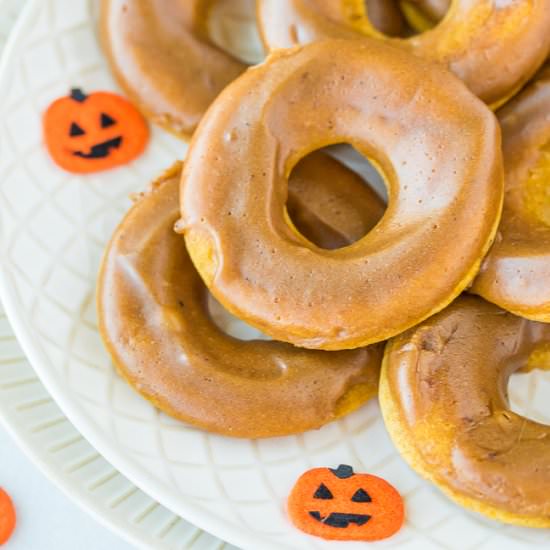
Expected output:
(101, 150)
(341, 520)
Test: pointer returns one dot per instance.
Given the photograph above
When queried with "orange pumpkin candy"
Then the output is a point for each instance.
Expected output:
(341, 505)
(90, 133)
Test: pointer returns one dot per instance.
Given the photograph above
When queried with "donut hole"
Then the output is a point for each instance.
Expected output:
(230, 325)
(386, 17)
(423, 15)
(349, 156)
(232, 27)
(338, 205)
(529, 388)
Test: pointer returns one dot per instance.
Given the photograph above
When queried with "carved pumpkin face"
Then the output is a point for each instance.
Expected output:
(340, 505)
(89, 133)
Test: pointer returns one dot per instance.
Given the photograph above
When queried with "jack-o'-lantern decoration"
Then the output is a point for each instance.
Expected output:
(338, 504)
(90, 133)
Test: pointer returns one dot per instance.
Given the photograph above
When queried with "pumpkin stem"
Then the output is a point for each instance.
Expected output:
(343, 471)
(78, 95)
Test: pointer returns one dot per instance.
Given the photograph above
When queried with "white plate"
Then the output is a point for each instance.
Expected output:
(54, 228)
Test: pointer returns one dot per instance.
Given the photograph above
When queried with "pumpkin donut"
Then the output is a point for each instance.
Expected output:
(441, 160)
(154, 320)
(516, 273)
(443, 394)
(161, 55)
(493, 46)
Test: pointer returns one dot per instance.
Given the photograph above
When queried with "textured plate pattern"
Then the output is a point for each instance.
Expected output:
(54, 228)
(10, 11)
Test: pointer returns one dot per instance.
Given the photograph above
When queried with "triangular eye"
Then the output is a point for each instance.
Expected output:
(107, 121)
(76, 130)
(323, 492)
(361, 496)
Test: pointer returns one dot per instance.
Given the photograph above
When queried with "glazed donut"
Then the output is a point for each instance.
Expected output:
(443, 394)
(154, 320)
(161, 55)
(494, 47)
(516, 273)
(441, 160)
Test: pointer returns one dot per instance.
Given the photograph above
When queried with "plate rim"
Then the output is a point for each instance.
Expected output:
(62, 483)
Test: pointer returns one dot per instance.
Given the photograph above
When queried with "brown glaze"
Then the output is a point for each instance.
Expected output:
(155, 322)
(493, 46)
(161, 55)
(441, 159)
(516, 273)
(444, 400)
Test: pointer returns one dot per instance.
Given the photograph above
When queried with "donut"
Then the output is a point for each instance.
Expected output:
(154, 320)
(516, 273)
(494, 47)
(437, 145)
(163, 58)
(443, 394)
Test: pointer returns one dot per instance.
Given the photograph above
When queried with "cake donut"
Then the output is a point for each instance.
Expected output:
(443, 394)
(154, 320)
(516, 273)
(161, 55)
(436, 144)
(494, 47)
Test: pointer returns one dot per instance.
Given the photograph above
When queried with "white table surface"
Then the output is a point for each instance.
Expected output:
(47, 519)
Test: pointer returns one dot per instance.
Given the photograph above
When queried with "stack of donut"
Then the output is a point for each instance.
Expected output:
(430, 302)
